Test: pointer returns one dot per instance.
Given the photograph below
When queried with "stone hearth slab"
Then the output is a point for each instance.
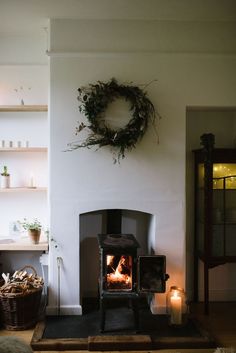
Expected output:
(111, 343)
(114, 341)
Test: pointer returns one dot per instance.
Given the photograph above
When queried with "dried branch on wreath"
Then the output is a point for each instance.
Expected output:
(94, 101)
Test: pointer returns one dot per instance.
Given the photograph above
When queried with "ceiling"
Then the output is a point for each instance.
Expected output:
(24, 23)
(31, 16)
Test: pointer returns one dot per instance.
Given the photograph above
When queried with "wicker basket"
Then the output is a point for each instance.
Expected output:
(1, 320)
(20, 311)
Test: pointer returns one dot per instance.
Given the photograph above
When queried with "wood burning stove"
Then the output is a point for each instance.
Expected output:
(125, 275)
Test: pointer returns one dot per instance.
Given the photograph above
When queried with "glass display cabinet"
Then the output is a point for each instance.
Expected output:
(215, 210)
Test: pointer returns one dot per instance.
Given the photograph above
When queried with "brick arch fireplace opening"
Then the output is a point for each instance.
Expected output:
(106, 221)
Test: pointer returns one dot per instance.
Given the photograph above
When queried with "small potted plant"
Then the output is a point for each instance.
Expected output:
(33, 228)
(5, 178)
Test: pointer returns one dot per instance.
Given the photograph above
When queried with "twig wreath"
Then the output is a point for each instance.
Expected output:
(95, 99)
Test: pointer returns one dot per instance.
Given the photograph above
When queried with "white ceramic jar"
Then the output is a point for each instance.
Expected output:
(5, 181)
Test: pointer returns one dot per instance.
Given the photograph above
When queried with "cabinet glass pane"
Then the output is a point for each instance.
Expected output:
(223, 237)
(224, 175)
(200, 209)
(230, 206)
(201, 176)
(200, 197)
(224, 210)
(218, 206)
(200, 237)
(230, 240)
(217, 240)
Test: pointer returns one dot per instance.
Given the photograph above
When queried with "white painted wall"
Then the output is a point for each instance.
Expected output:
(30, 81)
(152, 177)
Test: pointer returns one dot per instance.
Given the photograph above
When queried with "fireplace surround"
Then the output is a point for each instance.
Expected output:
(124, 275)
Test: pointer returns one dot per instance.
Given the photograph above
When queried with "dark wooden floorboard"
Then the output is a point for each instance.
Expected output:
(221, 321)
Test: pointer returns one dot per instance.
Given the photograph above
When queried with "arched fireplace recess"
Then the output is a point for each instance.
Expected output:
(100, 226)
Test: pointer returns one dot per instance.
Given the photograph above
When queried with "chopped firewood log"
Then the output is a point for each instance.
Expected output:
(6, 277)
(21, 282)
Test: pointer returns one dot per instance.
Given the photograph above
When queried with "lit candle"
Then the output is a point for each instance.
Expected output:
(175, 309)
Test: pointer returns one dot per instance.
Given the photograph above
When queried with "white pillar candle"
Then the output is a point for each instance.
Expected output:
(175, 309)
(32, 181)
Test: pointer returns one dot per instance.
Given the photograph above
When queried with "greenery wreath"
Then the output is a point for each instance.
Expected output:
(95, 99)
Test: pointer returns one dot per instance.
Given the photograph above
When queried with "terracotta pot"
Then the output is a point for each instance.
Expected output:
(34, 235)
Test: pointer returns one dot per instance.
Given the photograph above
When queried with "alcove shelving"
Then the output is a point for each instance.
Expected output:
(23, 245)
(23, 149)
(6, 149)
(23, 189)
(23, 108)
(26, 161)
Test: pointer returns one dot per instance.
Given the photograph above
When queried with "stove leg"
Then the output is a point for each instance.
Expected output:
(135, 307)
(103, 315)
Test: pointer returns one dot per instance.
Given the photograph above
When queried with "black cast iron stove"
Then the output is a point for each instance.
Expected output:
(118, 271)
(124, 275)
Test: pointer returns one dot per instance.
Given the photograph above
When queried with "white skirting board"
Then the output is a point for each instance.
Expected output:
(64, 310)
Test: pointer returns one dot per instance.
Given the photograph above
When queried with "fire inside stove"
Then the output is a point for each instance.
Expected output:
(119, 272)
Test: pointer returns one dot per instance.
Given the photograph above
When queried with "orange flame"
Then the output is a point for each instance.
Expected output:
(117, 279)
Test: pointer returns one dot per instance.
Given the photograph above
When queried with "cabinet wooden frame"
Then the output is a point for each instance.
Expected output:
(208, 156)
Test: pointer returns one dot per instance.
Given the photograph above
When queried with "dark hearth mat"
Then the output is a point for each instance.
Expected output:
(83, 332)
(119, 321)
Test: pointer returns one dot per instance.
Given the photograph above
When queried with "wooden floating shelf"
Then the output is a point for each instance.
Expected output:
(23, 108)
(22, 245)
(23, 149)
(23, 189)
